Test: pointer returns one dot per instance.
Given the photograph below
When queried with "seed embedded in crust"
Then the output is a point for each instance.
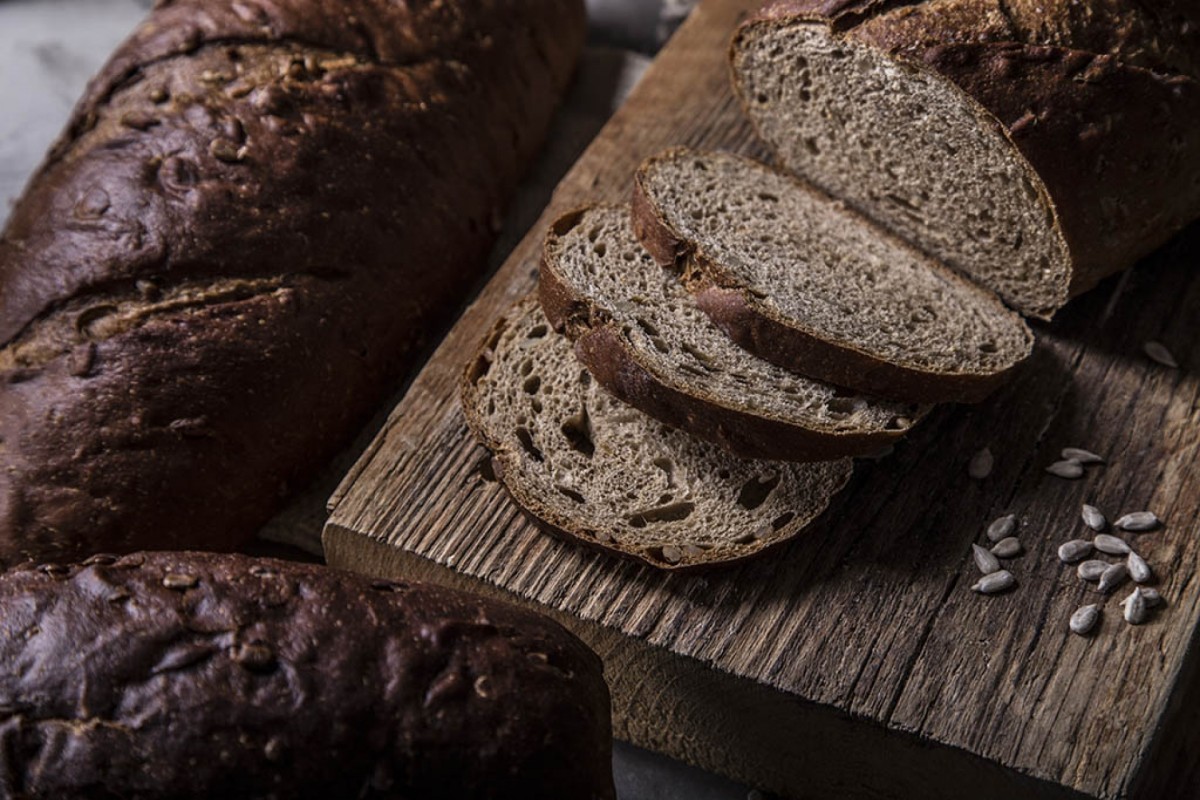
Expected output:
(672, 554)
(177, 580)
(1113, 545)
(1002, 527)
(1092, 570)
(1068, 469)
(1158, 353)
(1084, 619)
(1074, 550)
(1009, 547)
(1139, 570)
(1084, 457)
(1094, 518)
(1138, 521)
(981, 464)
(985, 560)
(995, 582)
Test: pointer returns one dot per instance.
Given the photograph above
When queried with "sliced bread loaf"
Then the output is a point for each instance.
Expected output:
(812, 286)
(591, 468)
(641, 335)
(1037, 147)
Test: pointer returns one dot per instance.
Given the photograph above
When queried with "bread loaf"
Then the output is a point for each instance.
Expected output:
(258, 214)
(1036, 146)
(193, 675)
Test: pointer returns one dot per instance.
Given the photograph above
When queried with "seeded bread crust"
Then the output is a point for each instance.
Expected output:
(257, 215)
(493, 399)
(193, 675)
(616, 364)
(1100, 102)
(774, 338)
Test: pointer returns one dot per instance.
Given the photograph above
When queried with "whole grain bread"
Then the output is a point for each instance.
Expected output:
(589, 467)
(1036, 146)
(257, 216)
(810, 285)
(194, 675)
(642, 336)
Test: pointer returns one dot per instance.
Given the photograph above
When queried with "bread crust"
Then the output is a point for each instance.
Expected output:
(195, 675)
(601, 347)
(1102, 107)
(357, 153)
(764, 333)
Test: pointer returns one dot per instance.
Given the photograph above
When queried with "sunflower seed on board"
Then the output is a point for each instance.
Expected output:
(1074, 550)
(1069, 469)
(985, 560)
(1008, 547)
(981, 464)
(1092, 570)
(995, 582)
(1094, 518)
(1112, 577)
(1159, 353)
(1135, 607)
(1084, 619)
(1138, 521)
(1084, 457)
(1152, 597)
(1113, 545)
(1139, 570)
(1002, 527)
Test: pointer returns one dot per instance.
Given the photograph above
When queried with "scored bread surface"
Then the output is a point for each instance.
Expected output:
(641, 335)
(590, 467)
(812, 286)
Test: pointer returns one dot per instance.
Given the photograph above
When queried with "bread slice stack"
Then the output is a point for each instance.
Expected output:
(705, 362)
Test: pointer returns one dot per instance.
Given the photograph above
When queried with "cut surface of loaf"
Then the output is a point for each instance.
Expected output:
(1036, 147)
(594, 469)
(641, 335)
(804, 282)
(197, 675)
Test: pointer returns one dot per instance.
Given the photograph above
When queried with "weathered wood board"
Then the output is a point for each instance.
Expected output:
(856, 662)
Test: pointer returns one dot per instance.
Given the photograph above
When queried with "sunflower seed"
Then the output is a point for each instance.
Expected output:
(1152, 597)
(1069, 469)
(1094, 518)
(1002, 527)
(995, 582)
(1082, 456)
(1074, 550)
(1009, 547)
(1084, 619)
(1138, 521)
(1135, 607)
(981, 464)
(1112, 577)
(1091, 570)
(1113, 545)
(1158, 352)
(1139, 570)
(985, 560)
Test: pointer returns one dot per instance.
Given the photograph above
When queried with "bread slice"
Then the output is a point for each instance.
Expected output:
(1037, 150)
(641, 335)
(591, 468)
(808, 284)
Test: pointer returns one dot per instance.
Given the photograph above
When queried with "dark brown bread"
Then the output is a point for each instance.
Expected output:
(193, 675)
(257, 216)
(1098, 103)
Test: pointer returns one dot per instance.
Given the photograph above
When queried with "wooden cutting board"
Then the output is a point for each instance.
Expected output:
(856, 662)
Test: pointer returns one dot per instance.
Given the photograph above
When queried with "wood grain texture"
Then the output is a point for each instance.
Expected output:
(856, 660)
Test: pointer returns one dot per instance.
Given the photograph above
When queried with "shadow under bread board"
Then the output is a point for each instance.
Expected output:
(856, 661)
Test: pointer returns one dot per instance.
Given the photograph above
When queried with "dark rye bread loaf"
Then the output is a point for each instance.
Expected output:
(1037, 145)
(258, 214)
(193, 675)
